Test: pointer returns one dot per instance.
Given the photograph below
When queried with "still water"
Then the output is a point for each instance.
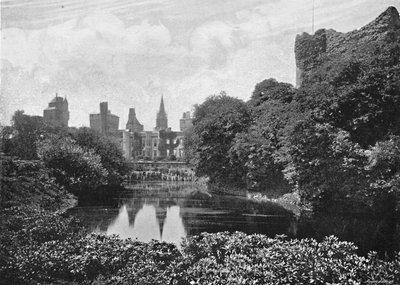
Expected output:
(170, 211)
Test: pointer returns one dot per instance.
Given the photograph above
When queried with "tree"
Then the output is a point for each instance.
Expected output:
(326, 166)
(73, 166)
(270, 89)
(20, 139)
(215, 125)
(384, 169)
(189, 144)
(261, 148)
(110, 154)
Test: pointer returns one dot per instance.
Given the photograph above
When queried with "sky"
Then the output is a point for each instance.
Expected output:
(131, 52)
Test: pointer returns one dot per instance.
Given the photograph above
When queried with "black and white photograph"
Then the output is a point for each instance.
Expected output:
(200, 142)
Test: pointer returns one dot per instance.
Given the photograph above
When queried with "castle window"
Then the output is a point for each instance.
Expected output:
(167, 141)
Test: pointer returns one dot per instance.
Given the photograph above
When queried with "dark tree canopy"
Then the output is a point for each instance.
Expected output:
(20, 139)
(270, 89)
(215, 125)
(111, 156)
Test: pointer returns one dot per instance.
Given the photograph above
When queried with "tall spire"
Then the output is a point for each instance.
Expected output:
(162, 119)
(162, 108)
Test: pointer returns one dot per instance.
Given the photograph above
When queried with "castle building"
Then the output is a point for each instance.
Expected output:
(57, 114)
(161, 143)
(104, 122)
(133, 124)
(185, 122)
(150, 144)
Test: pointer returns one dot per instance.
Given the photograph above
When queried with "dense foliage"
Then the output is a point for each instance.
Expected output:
(73, 166)
(26, 182)
(216, 122)
(20, 139)
(77, 158)
(335, 139)
(38, 246)
(49, 248)
(53, 247)
(238, 258)
(111, 156)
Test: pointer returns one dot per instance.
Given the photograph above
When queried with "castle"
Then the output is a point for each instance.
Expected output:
(137, 143)
(160, 143)
(104, 122)
(56, 114)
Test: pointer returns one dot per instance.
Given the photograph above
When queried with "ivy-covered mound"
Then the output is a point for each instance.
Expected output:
(39, 247)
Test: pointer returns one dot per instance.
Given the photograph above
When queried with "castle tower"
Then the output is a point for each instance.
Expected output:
(162, 119)
(185, 122)
(104, 117)
(57, 114)
(104, 122)
(133, 124)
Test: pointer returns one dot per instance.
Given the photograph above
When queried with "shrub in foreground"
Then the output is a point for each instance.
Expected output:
(51, 248)
(238, 258)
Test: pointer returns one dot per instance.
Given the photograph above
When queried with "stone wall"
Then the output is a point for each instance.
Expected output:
(313, 50)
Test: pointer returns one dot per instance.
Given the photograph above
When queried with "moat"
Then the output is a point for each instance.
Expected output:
(170, 211)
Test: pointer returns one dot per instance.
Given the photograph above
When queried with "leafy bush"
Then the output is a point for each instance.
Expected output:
(325, 165)
(51, 248)
(42, 247)
(238, 258)
(29, 183)
(110, 153)
(73, 166)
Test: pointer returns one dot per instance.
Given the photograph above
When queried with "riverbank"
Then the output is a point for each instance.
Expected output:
(28, 184)
(290, 201)
(41, 244)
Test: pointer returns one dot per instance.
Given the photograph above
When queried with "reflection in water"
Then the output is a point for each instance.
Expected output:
(149, 224)
(169, 212)
(174, 230)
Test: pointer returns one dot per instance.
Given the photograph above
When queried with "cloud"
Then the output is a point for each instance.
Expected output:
(94, 59)
(130, 53)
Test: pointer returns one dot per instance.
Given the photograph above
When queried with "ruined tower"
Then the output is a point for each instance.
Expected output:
(133, 124)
